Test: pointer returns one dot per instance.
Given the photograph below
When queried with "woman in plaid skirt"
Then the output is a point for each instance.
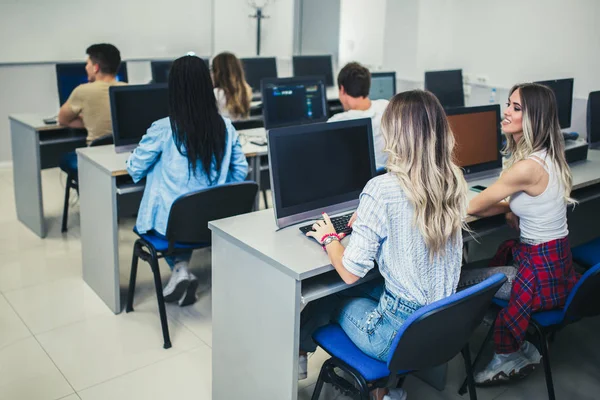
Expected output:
(537, 181)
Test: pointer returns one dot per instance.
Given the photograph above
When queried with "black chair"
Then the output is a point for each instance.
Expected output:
(583, 302)
(68, 163)
(187, 228)
(431, 336)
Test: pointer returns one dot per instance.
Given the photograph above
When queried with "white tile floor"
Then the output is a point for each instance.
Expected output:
(59, 341)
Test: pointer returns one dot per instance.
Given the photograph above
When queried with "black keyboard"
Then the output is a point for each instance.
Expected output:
(339, 223)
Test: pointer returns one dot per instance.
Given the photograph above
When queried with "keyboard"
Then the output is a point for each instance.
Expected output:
(340, 224)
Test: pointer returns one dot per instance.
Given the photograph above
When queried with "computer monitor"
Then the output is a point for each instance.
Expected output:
(383, 85)
(160, 71)
(478, 137)
(257, 69)
(293, 101)
(71, 75)
(563, 90)
(314, 66)
(301, 190)
(133, 109)
(447, 86)
(593, 119)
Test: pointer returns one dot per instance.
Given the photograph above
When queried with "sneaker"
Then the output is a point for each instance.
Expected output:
(504, 367)
(396, 394)
(177, 286)
(189, 297)
(531, 353)
(302, 367)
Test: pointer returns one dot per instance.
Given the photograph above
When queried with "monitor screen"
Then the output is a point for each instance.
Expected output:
(293, 101)
(314, 66)
(71, 75)
(593, 119)
(160, 71)
(447, 86)
(383, 85)
(477, 134)
(257, 69)
(133, 109)
(300, 191)
(563, 90)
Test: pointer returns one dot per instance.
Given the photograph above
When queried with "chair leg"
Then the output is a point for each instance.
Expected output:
(161, 302)
(132, 277)
(463, 388)
(264, 193)
(546, 362)
(320, 381)
(466, 352)
(66, 205)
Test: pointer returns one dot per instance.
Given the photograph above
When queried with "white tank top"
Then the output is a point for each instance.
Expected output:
(543, 218)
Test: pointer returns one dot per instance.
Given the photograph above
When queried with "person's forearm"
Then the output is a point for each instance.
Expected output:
(495, 209)
(76, 123)
(335, 250)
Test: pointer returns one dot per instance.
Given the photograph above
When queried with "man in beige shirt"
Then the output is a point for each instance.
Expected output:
(88, 105)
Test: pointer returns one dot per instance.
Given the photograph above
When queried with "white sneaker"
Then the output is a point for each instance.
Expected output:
(177, 286)
(504, 367)
(396, 394)
(189, 297)
(531, 353)
(302, 367)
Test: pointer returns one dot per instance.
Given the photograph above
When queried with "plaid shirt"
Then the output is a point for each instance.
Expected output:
(544, 280)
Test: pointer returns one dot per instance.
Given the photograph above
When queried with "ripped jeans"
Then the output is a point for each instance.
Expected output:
(369, 314)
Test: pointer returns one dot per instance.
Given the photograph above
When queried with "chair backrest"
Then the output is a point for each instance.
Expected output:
(103, 140)
(434, 334)
(191, 213)
(584, 299)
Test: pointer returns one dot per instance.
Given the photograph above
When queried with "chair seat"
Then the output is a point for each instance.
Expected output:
(161, 244)
(68, 163)
(587, 254)
(543, 318)
(335, 342)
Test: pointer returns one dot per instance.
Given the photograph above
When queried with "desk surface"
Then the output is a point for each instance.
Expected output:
(34, 121)
(289, 251)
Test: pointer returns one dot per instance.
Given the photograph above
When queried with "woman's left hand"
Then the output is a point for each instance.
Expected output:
(321, 228)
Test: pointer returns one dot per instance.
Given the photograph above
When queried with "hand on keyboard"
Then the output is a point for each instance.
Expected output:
(340, 225)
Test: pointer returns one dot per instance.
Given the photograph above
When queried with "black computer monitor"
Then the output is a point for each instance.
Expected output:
(447, 86)
(593, 119)
(160, 71)
(71, 75)
(478, 137)
(563, 91)
(300, 191)
(314, 66)
(257, 69)
(293, 101)
(133, 109)
(383, 85)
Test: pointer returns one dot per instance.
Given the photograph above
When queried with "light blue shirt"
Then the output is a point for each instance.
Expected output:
(384, 232)
(168, 175)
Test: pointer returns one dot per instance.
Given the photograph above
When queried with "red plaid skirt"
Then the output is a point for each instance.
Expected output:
(545, 277)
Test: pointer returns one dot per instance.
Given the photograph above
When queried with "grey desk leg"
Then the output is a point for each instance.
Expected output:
(99, 232)
(255, 162)
(27, 177)
(256, 326)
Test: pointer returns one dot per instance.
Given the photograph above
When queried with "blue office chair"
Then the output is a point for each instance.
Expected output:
(583, 301)
(431, 336)
(587, 254)
(187, 228)
(68, 163)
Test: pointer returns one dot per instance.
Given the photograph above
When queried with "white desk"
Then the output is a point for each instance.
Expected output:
(262, 276)
(37, 146)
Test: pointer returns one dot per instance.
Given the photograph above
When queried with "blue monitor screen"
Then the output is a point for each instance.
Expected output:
(71, 75)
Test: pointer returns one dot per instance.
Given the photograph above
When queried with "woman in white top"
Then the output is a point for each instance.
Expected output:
(537, 181)
(232, 92)
(409, 221)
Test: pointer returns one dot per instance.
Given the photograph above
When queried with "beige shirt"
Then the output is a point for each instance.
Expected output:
(90, 101)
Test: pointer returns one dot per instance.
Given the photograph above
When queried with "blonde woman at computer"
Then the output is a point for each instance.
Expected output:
(409, 221)
(232, 92)
(537, 180)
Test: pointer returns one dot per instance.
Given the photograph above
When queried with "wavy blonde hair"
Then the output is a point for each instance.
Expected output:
(420, 144)
(541, 131)
(228, 74)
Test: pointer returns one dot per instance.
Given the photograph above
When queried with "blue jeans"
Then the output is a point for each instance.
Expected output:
(369, 314)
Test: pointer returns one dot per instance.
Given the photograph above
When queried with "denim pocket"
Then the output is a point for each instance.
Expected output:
(373, 321)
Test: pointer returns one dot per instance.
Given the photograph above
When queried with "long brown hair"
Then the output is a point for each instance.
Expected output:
(228, 74)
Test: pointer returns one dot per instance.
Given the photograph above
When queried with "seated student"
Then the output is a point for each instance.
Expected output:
(88, 105)
(192, 149)
(354, 83)
(408, 222)
(538, 182)
(232, 92)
